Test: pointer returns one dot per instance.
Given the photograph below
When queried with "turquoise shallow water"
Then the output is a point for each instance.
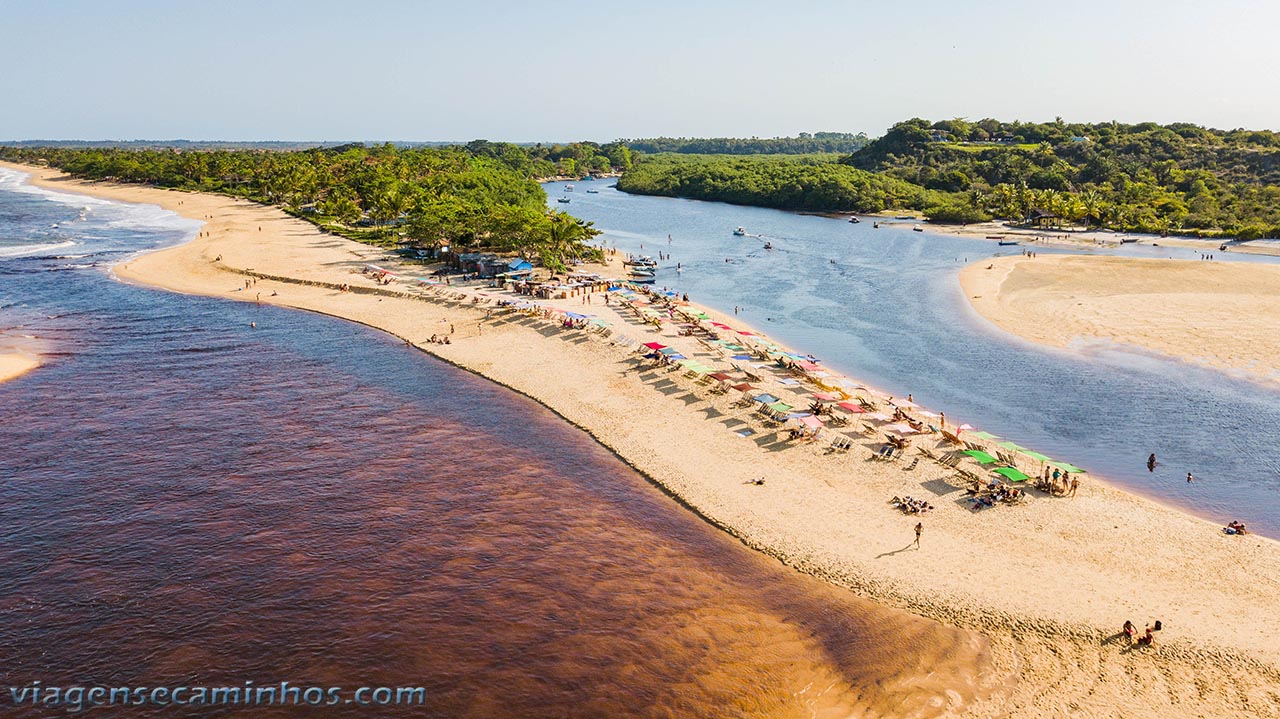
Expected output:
(885, 306)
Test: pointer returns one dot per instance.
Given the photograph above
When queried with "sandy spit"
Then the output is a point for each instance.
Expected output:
(1049, 581)
(1224, 315)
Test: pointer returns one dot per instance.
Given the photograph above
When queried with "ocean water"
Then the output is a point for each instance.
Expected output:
(885, 306)
(187, 501)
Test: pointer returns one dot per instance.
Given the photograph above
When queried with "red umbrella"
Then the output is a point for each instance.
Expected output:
(851, 407)
(721, 376)
(655, 346)
(744, 387)
(825, 397)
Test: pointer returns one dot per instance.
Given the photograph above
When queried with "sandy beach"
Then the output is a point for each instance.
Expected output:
(1216, 314)
(1074, 238)
(13, 366)
(1050, 581)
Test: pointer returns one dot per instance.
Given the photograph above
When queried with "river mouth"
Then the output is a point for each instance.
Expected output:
(192, 501)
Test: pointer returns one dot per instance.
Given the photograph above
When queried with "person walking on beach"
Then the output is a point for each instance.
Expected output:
(919, 529)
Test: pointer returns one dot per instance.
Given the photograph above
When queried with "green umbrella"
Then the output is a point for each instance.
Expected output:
(1067, 467)
(1036, 456)
(779, 407)
(1012, 474)
(982, 457)
(985, 435)
(1010, 445)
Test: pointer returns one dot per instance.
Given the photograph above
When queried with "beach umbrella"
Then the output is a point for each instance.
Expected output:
(721, 376)
(985, 435)
(880, 417)
(1067, 467)
(742, 358)
(810, 421)
(851, 407)
(669, 351)
(982, 457)
(779, 407)
(930, 415)
(744, 387)
(1009, 445)
(825, 397)
(676, 357)
(1036, 456)
(1011, 474)
(655, 345)
(765, 398)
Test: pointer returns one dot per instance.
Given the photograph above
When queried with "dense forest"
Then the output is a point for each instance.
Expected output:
(804, 144)
(787, 182)
(1180, 178)
(478, 197)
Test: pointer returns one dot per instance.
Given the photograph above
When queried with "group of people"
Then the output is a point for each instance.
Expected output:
(1148, 637)
(440, 340)
(996, 492)
(1235, 527)
(910, 505)
(1058, 483)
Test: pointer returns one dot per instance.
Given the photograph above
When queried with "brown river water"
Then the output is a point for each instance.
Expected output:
(188, 502)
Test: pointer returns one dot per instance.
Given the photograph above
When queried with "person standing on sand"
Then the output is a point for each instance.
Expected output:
(1129, 630)
(919, 529)
(1075, 484)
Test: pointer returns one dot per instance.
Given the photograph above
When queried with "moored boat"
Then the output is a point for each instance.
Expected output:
(562, 199)
(740, 232)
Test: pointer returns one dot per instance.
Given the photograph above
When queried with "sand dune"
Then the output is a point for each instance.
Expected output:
(1049, 581)
(1218, 314)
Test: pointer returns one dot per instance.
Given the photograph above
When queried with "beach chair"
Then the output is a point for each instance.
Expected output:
(914, 461)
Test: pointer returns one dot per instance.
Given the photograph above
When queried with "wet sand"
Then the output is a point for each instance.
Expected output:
(1217, 314)
(13, 366)
(1049, 582)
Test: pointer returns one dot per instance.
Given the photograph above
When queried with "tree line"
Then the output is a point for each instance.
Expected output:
(470, 198)
(803, 144)
(813, 183)
(1178, 178)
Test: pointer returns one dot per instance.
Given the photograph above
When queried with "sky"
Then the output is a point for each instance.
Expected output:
(570, 70)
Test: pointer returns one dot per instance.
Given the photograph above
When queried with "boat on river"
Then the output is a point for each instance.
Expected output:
(740, 232)
(917, 228)
(563, 199)
(854, 220)
(593, 192)
(1009, 242)
(568, 188)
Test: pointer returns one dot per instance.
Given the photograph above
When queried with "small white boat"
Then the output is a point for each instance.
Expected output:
(854, 220)
(740, 232)
(568, 188)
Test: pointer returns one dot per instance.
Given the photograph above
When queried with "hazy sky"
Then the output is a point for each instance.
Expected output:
(563, 70)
